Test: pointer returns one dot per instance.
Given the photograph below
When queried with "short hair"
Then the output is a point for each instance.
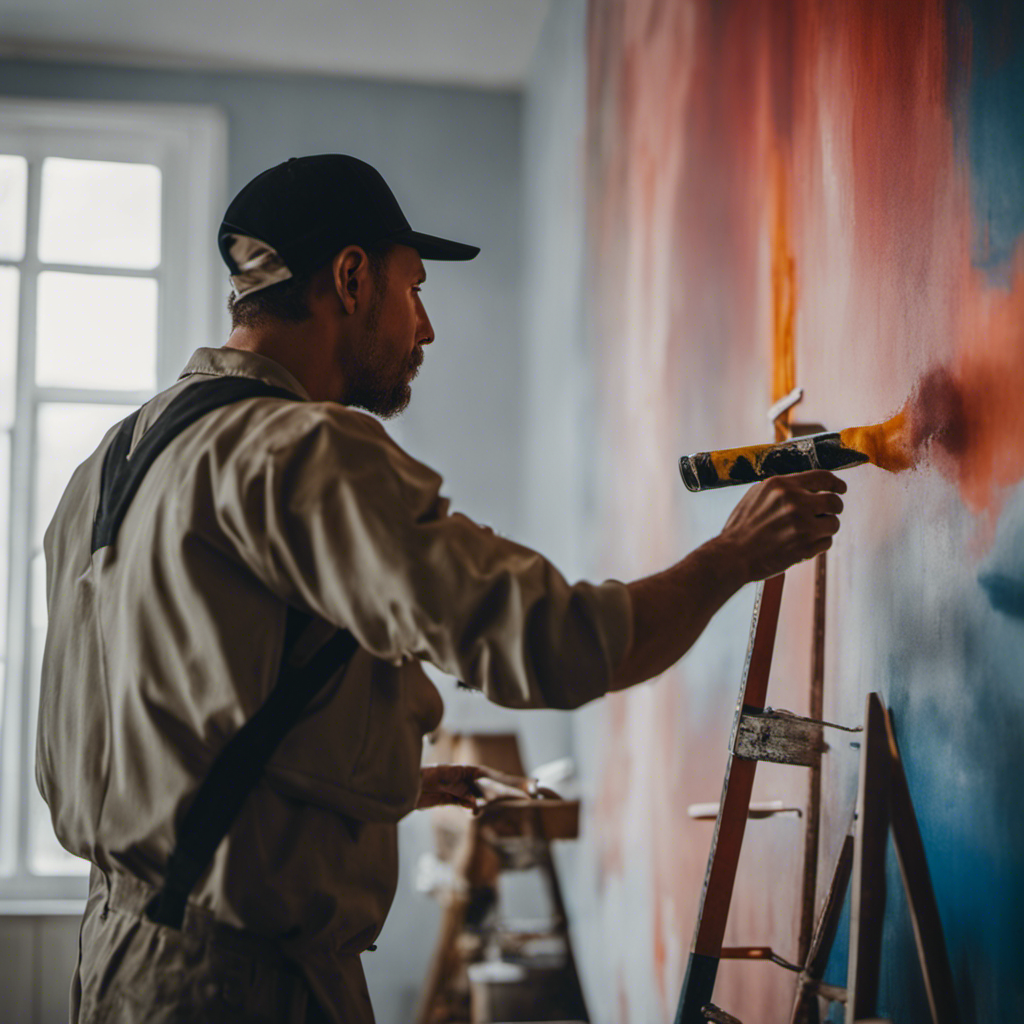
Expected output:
(288, 301)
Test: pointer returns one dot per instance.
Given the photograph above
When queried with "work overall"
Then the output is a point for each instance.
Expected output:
(162, 645)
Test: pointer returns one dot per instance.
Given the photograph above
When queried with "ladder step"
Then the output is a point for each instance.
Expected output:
(757, 809)
(763, 735)
(757, 953)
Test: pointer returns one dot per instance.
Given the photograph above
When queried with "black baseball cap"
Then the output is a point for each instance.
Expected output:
(294, 217)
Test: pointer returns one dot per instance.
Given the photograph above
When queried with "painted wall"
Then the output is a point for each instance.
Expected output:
(828, 195)
(453, 157)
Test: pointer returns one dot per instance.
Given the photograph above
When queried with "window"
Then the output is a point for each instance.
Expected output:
(108, 280)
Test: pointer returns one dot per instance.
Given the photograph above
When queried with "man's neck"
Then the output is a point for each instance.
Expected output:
(300, 348)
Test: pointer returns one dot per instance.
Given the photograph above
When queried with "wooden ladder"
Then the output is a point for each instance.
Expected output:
(760, 734)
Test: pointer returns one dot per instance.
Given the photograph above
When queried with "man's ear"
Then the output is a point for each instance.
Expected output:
(351, 276)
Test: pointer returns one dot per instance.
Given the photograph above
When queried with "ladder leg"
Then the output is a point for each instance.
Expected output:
(575, 1001)
(806, 1012)
(924, 912)
(702, 968)
(867, 898)
(698, 987)
(805, 1004)
(817, 710)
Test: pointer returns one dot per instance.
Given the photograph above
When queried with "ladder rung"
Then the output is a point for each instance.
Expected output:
(756, 809)
(756, 953)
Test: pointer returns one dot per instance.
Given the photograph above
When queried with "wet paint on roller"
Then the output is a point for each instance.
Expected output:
(888, 445)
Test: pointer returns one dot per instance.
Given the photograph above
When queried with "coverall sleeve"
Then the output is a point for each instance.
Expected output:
(334, 517)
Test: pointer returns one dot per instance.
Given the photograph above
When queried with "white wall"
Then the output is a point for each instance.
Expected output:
(559, 443)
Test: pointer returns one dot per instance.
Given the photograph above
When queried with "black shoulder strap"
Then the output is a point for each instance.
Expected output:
(236, 771)
(122, 475)
(239, 765)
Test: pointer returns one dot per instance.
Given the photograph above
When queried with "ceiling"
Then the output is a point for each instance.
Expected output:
(482, 43)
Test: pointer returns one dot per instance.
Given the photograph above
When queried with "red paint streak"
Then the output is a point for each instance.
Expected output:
(982, 434)
(912, 230)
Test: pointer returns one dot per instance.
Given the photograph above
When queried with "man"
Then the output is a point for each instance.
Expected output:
(213, 548)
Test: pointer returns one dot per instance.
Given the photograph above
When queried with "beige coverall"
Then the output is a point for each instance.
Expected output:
(161, 645)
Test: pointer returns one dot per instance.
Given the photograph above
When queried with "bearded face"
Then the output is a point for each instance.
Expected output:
(391, 350)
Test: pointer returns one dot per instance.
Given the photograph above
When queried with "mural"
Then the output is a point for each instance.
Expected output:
(831, 196)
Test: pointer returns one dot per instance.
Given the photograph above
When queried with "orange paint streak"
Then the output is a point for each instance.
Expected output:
(783, 271)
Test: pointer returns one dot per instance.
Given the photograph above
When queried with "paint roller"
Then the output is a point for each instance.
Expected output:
(884, 444)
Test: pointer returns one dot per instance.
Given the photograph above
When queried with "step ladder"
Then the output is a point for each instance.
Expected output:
(467, 981)
(761, 734)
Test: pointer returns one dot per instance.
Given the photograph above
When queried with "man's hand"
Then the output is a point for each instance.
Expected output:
(785, 520)
(450, 784)
(472, 786)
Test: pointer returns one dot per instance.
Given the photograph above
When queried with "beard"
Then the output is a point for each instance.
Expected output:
(380, 383)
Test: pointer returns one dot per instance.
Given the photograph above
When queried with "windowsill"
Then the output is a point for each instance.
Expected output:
(41, 908)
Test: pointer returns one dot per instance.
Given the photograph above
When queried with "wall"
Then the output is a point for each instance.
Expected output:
(453, 158)
(829, 195)
(559, 420)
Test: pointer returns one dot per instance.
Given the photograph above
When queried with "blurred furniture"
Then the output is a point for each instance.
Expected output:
(486, 967)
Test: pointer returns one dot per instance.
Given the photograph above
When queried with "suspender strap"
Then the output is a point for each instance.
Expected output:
(238, 767)
(236, 771)
(122, 475)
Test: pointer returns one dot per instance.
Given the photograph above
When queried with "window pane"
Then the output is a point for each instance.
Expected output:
(10, 279)
(96, 332)
(45, 855)
(9, 822)
(8, 793)
(66, 435)
(13, 192)
(5, 495)
(100, 214)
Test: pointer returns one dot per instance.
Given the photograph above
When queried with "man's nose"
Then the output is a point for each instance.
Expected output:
(425, 330)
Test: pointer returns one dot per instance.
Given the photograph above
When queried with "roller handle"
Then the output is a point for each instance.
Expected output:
(727, 467)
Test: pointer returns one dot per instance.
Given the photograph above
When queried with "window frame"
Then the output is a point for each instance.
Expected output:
(189, 145)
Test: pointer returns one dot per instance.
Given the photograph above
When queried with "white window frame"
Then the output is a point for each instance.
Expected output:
(189, 145)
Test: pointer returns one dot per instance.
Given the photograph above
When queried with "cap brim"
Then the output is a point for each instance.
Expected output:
(430, 247)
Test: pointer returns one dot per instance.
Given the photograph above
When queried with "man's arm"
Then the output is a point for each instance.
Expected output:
(776, 524)
(337, 520)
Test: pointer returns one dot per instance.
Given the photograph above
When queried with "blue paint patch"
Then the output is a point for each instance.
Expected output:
(1005, 593)
(994, 84)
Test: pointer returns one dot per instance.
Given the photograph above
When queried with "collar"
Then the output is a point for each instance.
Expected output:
(234, 362)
